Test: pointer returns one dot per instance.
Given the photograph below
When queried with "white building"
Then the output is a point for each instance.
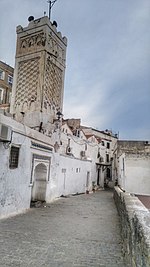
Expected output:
(133, 159)
(32, 170)
(103, 154)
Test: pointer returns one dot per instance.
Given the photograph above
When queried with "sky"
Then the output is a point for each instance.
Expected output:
(107, 79)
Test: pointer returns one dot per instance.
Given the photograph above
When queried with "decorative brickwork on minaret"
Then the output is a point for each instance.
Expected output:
(39, 73)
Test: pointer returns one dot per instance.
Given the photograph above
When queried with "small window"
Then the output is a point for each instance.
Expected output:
(108, 145)
(63, 170)
(107, 157)
(10, 80)
(102, 143)
(14, 157)
(2, 74)
(1, 95)
(78, 133)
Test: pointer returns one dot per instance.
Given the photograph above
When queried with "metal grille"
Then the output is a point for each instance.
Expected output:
(14, 157)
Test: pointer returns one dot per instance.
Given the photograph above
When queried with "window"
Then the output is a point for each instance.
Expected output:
(78, 133)
(2, 74)
(107, 157)
(102, 143)
(14, 157)
(108, 145)
(10, 79)
(1, 95)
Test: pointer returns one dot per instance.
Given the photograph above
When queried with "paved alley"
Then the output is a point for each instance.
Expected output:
(81, 231)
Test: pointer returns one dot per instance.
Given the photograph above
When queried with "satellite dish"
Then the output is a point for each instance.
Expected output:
(30, 18)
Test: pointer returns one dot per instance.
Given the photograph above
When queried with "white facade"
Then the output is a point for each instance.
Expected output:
(104, 145)
(134, 167)
(41, 174)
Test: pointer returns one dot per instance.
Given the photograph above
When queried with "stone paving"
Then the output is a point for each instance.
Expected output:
(80, 231)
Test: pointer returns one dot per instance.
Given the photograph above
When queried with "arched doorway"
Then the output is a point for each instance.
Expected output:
(39, 183)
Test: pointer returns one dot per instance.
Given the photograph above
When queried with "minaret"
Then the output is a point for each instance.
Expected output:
(37, 94)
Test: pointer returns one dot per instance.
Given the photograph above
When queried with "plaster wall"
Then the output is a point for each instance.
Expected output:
(62, 175)
(121, 171)
(72, 176)
(77, 145)
(137, 178)
(15, 187)
(134, 166)
(16, 184)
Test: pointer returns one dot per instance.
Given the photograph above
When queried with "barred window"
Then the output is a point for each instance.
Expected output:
(14, 157)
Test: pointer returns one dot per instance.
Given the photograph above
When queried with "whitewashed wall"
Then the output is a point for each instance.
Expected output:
(15, 184)
(134, 166)
(63, 174)
(121, 171)
(138, 174)
(72, 175)
(135, 176)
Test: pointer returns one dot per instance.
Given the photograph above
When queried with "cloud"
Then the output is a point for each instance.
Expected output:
(107, 75)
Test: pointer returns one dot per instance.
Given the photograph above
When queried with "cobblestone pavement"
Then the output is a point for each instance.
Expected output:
(79, 231)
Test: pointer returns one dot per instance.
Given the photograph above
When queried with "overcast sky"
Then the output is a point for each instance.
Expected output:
(107, 82)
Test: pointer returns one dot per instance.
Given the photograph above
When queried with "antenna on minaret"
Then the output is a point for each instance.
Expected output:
(51, 3)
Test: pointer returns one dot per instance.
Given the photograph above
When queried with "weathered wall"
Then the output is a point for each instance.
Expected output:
(134, 166)
(72, 176)
(135, 228)
(138, 174)
(16, 184)
(40, 173)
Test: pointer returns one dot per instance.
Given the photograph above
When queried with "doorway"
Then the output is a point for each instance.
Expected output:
(98, 176)
(39, 183)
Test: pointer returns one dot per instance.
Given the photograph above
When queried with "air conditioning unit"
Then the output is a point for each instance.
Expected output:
(68, 150)
(82, 153)
(5, 133)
